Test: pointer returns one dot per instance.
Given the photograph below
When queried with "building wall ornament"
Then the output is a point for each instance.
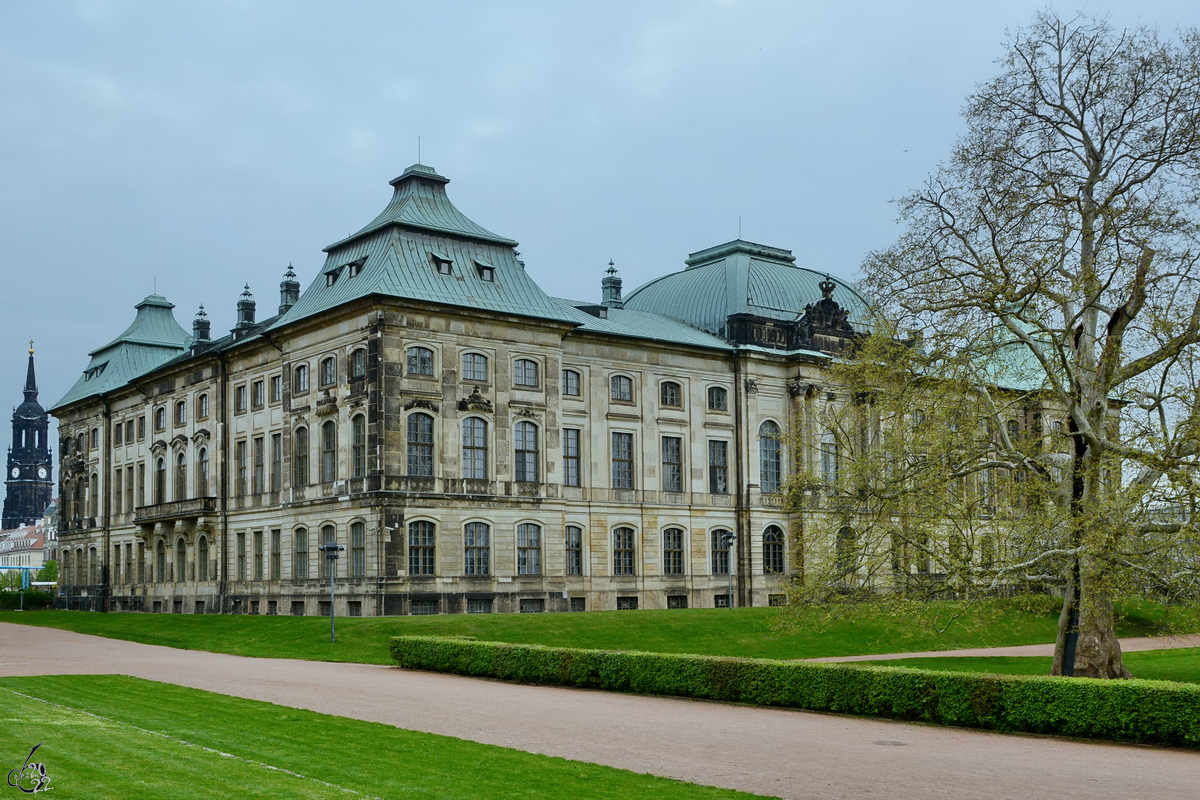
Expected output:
(475, 402)
(428, 405)
(327, 405)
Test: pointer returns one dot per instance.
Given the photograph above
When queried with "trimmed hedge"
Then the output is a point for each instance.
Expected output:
(33, 599)
(1157, 712)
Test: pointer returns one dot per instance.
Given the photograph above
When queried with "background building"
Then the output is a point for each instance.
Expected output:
(29, 481)
(473, 443)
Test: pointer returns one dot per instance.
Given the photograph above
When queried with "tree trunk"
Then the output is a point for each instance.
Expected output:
(1098, 654)
(1064, 628)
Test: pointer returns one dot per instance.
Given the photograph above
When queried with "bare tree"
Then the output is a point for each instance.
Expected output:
(1060, 242)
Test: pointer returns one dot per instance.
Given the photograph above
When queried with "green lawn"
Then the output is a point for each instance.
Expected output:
(750, 632)
(1181, 665)
(146, 740)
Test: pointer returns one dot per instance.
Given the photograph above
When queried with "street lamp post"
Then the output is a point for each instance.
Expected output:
(331, 550)
(729, 537)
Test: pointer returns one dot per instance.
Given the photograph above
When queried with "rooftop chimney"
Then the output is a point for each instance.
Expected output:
(611, 286)
(245, 309)
(201, 327)
(289, 290)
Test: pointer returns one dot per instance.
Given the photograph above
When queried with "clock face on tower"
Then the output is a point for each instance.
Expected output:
(42, 473)
(16, 472)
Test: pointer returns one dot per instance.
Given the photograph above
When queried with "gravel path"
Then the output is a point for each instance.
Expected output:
(1130, 645)
(769, 751)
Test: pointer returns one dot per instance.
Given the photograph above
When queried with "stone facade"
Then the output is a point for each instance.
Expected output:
(473, 449)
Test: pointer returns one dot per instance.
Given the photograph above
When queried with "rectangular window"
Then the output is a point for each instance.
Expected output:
(829, 458)
(300, 381)
(424, 607)
(297, 608)
(181, 412)
(258, 555)
(129, 431)
(420, 548)
(239, 399)
(672, 464)
(529, 549)
(241, 555)
(720, 552)
(677, 601)
(718, 467)
(525, 373)
(129, 563)
(300, 478)
(574, 550)
(571, 457)
(141, 484)
(276, 388)
(239, 458)
(627, 604)
(530, 605)
(474, 449)
(479, 606)
(117, 495)
(354, 608)
(258, 394)
(328, 565)
(623, 551)
(328, 374)
(673, 552)
(202, 407)
(118, 429)
(129, 488)
(622, 460)
(276, 553)
(579, 604)
(141, 425)
(474, 367)
(141, 573)
(477, 555)
(260, 466)
(276, 461)
(358, 549)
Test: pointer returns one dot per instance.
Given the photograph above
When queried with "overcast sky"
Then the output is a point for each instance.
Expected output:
(200, 146)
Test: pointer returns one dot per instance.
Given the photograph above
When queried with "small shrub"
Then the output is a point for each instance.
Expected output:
(1155, 712)
(33, 599)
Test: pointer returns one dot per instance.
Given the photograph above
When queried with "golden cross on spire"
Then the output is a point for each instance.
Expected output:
(31, 347)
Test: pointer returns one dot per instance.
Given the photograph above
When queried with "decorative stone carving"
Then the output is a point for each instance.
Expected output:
(525, 412)
(826, 314)
(327, 405)
(751, 386)
(158, 448)
(802, 389)
(178, 443)
(475, 402)
(428, 405)
(201, 436)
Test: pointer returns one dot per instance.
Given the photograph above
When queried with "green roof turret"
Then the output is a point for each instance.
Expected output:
(611, 287)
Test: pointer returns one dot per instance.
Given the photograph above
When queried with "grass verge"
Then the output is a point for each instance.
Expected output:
(147, 740)
(1182, 666)
(744, 632)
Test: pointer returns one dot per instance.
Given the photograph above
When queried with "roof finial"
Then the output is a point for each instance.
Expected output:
(291, 273)
(200, 312)
(31, 347)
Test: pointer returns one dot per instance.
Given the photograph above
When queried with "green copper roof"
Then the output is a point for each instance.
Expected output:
(420, 202)
(740, 277)
(152, 339)
(640, 325)
(398, 255)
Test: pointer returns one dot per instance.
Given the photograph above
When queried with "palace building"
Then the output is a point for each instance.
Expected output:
(474, 444)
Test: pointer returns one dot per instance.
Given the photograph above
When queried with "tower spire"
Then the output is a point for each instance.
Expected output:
(31, 390)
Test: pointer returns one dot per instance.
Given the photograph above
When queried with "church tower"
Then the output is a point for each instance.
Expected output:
(29, 483)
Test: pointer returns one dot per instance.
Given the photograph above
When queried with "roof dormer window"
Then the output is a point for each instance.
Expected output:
(443, 264)
(356, 267)
(332, 274)
(486, 271)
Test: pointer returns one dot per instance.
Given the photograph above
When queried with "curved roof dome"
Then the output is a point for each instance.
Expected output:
(741, 277)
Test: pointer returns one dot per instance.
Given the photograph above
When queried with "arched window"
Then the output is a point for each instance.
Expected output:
(358, 449)
(846, 552)
(476, 548)
(621, 388)
(529, 549)
(421, 545)
(300, 379)
(180, 560)
(300, 455)
(720, 551)
(830, 459)
(93, 567)
(768, 457)
(358, 364)
(202, 473)
(773, 550)
(474, 367)
(202, 558)
(94, 496)
(160, 418)
(160, 481)
(328, 565)
(571, 384)
(80, 565)
(420, 445)
(66, 567)
(160, 561)
(300, 560)
(474, 449)
(673, 549)
(329, 452)
(358, 549)
(525, 443)
(623, 551)
(328, 372)
(420, 361)
(525, 373)
(671, 394)
(574, 550)
(202, 406)
(181, 412)
(718, 399)
(181, 477)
